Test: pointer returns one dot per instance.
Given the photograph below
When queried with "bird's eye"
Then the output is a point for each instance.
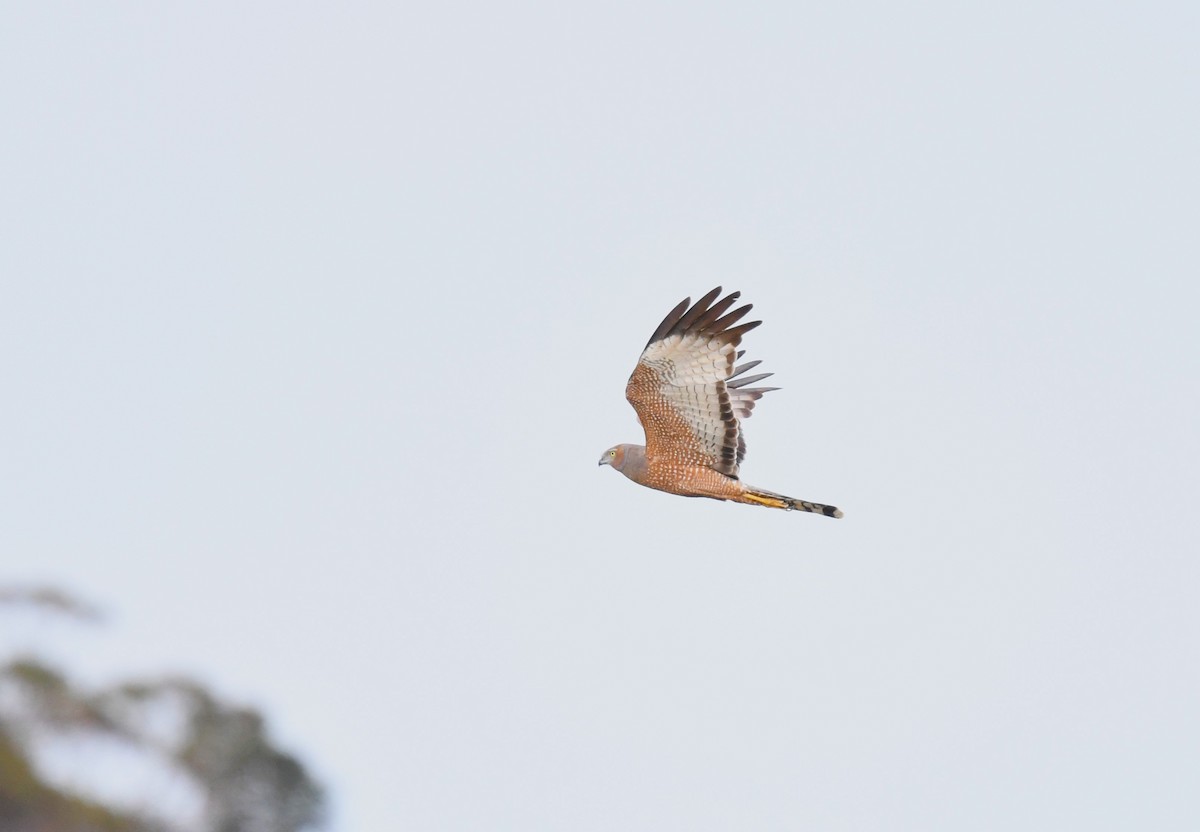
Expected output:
(612, 453)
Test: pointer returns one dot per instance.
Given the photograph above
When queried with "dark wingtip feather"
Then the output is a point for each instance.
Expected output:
(704, 317)
(668, 322)
(698, 310)
(722, 325)
(738, 331)
(705, 323)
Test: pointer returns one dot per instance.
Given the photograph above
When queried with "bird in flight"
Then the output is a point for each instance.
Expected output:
(691, 400)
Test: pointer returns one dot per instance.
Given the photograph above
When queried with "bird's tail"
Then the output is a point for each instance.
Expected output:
(759, 497)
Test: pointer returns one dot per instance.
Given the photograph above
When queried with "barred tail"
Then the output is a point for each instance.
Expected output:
(759, 497)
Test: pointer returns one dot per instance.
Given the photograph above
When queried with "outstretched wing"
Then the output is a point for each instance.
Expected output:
(682, 387)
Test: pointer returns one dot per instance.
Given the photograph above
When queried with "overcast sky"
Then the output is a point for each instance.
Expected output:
(315, 319)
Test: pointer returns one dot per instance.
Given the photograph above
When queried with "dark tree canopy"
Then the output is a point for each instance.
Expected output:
(245, 783)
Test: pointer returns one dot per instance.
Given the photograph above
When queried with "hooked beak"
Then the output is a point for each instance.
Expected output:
(604, 460)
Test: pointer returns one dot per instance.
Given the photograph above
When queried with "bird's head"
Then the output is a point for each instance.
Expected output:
(630, 460)
(614, 456)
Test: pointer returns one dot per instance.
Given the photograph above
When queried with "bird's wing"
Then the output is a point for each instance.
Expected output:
(685, 387)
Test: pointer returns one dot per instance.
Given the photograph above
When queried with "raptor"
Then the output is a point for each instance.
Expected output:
(691, 400)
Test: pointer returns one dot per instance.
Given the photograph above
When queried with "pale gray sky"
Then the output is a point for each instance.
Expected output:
(316, 317)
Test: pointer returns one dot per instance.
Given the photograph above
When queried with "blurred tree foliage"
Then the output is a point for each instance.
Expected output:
(244, 783)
